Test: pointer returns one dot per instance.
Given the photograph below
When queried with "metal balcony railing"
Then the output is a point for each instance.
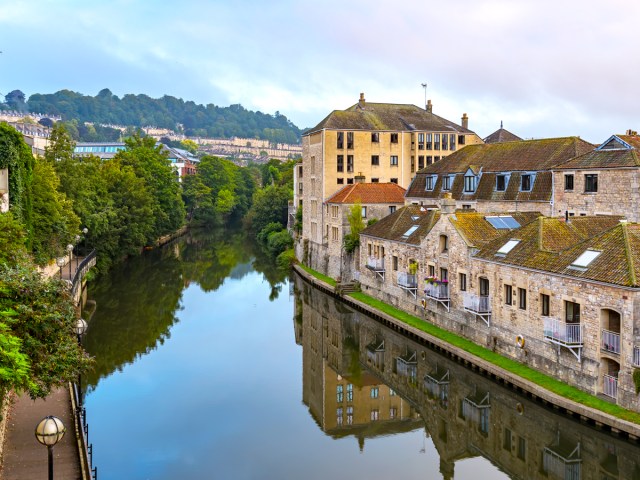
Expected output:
(407, 280)
(439, 291)
(611, 341)
(375, 263)
(563, 333)
(610, 386)
(477, 304)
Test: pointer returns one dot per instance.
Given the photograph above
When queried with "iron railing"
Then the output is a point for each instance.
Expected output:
(611, 341)
(610, 386)
(562, 332)
(81, 270)
(89, 471)
(439, 291)
(407, 280)
(560, 467)
(477, 304)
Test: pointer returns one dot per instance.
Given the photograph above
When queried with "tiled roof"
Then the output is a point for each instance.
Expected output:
(387, 116)
(501, 135)
(394, 226)
(367, 193)
(514, 157)
(608, 158)
(477, 231)
(550, 244)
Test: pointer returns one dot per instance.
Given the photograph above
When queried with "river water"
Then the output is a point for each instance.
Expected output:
(209, 363)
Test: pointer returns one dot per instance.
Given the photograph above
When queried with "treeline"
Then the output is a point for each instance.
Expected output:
(167, 112)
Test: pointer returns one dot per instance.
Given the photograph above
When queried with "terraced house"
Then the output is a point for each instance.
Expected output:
(377, 142)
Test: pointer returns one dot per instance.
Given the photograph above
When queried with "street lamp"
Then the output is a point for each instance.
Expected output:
(50, 431)
(85, 230)
(60, 261)
(70, 250)
(81, 328)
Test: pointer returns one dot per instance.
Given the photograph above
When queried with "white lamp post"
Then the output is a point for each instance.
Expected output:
(50, 431)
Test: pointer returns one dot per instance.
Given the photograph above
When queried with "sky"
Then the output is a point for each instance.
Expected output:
(544, 68)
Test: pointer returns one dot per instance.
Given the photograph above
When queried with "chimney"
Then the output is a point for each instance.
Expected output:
(361, 101)
(632, 132)
(429, 106)
(465, 121)
(448, 204)
(359, 178)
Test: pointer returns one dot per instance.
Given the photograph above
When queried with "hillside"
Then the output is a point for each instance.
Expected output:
(166, 112)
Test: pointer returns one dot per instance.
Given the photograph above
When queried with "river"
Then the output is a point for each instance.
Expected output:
(209, 363)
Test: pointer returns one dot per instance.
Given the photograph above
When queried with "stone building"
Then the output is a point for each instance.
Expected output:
(379, 142)
(501, 135)
(497, 177)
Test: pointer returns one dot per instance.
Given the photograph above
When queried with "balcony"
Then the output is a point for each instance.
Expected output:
(480, 306)
(562, 464)
(376, 265)
(408, 282)
(407, 366)
(375, 353)
(436, 385)
(610, 386)
(438, 292)
(611, 341)
(568, 335)
(477, 408)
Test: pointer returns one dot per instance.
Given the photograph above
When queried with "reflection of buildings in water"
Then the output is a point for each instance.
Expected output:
(466, 414)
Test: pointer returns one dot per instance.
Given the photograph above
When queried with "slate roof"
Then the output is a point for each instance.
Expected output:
(387, 117)
(608, 155)
(552, 245)
(501, 135)
(367, 193)
(515, 157)
(394, 226)
(477, 231)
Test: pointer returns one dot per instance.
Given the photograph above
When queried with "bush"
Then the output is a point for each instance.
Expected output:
(286, 259)
(265, 233)
(278, 242)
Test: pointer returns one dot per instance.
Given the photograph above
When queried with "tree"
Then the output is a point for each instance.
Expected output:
(61, 145)
(356, 225)
(16, 100)
(269, 206)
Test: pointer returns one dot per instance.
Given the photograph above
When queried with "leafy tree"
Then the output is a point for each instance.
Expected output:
(60, 146)
(16, 100)
(189, 145)
(356, 225)
(198, 201)
(269, 206)
(12, 240)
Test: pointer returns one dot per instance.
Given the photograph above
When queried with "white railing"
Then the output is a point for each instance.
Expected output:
(477, 304)
(375, 263)
(407, 280)
(611, 341)
(636, 356)
(439, 291)
(610, 386)
(560, 467)
(565, 333)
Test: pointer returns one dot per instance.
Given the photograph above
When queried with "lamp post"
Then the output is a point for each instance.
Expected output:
(85, 230)
(50, 431)
(70, 250)
(81, 328)
(60, 262)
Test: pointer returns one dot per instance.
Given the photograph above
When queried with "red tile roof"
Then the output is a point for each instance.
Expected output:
(367, 193)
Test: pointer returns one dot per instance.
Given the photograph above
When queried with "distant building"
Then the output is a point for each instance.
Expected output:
(104, 150)
(501, 135)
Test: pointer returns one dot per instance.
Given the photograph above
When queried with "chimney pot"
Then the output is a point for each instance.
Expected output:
(361, 101)
(429, 106)
(465, 121)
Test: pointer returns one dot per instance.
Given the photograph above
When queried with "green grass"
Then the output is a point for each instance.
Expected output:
(523, 371)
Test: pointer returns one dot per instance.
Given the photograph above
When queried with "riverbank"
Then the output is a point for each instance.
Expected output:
(534, 384)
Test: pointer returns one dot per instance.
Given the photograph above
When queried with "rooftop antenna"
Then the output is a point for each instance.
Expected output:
(424, 85)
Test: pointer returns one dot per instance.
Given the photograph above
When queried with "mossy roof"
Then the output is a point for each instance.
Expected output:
(394, 226)
(476, 230)
(387, 117)
(608, 157)
(502, 135)
(552, 245)
(369, 193)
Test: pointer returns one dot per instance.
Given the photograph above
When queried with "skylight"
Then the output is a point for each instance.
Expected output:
(507, 247)
(503, 222)
(410, 231)
(585, 259)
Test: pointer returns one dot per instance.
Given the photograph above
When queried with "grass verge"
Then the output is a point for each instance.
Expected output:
(517, 368)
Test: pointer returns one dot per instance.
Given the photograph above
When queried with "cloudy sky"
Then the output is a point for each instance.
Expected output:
(545, 68)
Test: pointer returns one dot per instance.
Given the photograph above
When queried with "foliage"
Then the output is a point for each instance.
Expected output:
(356, 224)
(54, 222)
(278, 242)
(371, 221)
(16, 156)
(298, 224)
(286, 259)
(39, 314)
(60, 146)
(636, 379)
(198, 201)
(12, 240)
(15, 100)
(269, 206)
(166, 112)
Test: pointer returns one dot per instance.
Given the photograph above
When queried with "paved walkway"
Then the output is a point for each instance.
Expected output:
(25, 458)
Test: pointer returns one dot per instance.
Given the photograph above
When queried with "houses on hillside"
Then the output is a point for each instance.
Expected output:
(527, 247)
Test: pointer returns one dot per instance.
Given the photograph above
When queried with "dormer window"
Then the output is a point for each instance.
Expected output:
(501, 183)
(470, 183)
(447, 181)
(430, 182)
(526, 182)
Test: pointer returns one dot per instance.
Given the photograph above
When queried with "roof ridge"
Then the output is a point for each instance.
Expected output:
(627, 248)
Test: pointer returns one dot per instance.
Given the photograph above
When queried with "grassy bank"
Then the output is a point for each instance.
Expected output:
(523, 371)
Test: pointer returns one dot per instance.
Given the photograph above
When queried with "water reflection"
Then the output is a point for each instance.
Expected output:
(365, 380)
(137, 302)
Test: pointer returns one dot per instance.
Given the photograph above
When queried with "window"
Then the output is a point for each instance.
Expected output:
(375, 160)
(349, 163)
(503, 222)
(410, 232)
(350, 140)
(340, 138)
(501, 183)
(544, 304)
(429, 159)
(436, 141)
(375, 180)
(421, 141)
(334, 234)
(484, 287)
(507, 247)
(339, 394)
(525, 182)
(340, 163)
(585, 259)
(349, 415)
(349, 394)
(444, 244)
(591, 183)
(393, 180)
(568, 182)
(462, 282)
(445, 141)
(522, 448)
(522, 299)
(349, 181)
(364, 212)
(572, 312)
(452, 141)
(506, 440)
(444, 274)
(432, 271)
(393, 412)
(339, 416)
(334, 211)
(420, 162)
(429, 141)
(436, 158)
(300, 188)
(392, 209)
(430, 182)
(375, 414)
(508, 294)
(394, 160)
(340, 181)
(375, 137)
(447, 180)
(469, 183)
(392, 392)
(413, 164)
(466, 206)
(394, 263)
(394, 138)
(374, 392)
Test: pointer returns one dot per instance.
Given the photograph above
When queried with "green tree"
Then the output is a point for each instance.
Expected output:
(198, 201)
(269, 206)
(356, 225)
(60, 146)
